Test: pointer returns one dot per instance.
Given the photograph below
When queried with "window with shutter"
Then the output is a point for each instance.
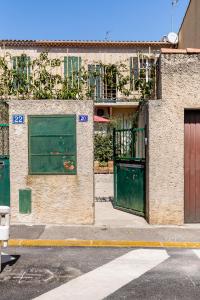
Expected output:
(72, 65)
(102, 83)
(95, 81)
(22, 70)
(52, 144)
(141, 68)
(134, 71)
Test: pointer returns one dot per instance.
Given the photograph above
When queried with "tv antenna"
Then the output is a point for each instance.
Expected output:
(107, 36)
(174, 4)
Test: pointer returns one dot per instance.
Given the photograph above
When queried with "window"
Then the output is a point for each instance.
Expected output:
(141, 68)
(102, 82)
(21, 67)
(52, 144)
(72, 65)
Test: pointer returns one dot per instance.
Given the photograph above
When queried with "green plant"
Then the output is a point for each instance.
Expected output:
(23, 78)
(146, 88)
(103, 164)
(103, 147)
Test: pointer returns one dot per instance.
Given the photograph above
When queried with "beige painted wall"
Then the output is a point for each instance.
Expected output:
(56, 199)
(89, 55)
(189, 34)
(165, 162)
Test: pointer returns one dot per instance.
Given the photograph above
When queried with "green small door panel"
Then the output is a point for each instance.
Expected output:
(4, 181)
(25, 201)
(52, 144)
(130, 188)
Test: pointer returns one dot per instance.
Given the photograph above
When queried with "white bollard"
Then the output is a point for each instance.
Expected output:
(4, 228)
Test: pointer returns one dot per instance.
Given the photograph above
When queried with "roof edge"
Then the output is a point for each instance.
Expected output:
(180, 51)
(81, 43)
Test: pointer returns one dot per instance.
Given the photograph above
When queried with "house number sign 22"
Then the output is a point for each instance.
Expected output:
(18, 119)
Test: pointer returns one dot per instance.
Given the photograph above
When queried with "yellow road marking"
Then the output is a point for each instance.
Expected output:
(100, 243)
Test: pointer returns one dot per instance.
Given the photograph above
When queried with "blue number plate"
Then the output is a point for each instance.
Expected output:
(18, 119)
(83, 118)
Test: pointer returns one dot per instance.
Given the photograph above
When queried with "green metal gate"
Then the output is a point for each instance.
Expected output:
(129, 170)
(4, 165)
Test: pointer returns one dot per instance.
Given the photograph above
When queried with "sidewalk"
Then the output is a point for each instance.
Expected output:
(151, 233)
(112, 228)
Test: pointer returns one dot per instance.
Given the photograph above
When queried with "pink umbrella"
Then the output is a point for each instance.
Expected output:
(101, 120)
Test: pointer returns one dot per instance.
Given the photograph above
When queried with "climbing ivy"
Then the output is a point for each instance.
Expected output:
(22, 78)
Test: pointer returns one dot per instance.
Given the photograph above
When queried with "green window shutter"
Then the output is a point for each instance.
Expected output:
(91, 83)
(21, 65)
(14, 61)
(52, 144)
(98, 82)
(65, 67)
(29, 66)
(72, 65)
(134, 71)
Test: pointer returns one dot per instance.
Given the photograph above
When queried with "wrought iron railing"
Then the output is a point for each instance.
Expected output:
(4, 139)
(117, 100)
(129, 144)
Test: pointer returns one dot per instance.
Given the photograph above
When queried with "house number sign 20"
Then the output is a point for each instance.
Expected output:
(18, 119)
(83, 118)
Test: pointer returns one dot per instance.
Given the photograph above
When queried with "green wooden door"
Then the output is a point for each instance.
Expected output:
(4, 181)
(130, 187)
(52, 144)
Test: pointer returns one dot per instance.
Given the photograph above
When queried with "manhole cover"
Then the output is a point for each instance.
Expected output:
(34, 274)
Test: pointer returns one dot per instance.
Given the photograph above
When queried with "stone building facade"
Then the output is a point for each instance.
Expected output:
(56, 199)
(179, 91)
(189, 33)
(132, 54)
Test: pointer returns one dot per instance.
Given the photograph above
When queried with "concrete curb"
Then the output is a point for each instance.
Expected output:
(100, 243)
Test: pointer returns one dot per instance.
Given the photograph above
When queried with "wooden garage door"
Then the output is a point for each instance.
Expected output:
(192, 166)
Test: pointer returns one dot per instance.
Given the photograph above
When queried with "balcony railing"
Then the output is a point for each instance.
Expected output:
(117, 100)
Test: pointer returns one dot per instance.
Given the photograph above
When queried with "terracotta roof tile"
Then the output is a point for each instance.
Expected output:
(173, 51)
(180, 51)
(82, 43)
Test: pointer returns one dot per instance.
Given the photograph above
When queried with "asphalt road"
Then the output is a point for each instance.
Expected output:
(116, 273)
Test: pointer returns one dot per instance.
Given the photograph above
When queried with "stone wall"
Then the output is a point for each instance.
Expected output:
(56, 199)
(180, 75)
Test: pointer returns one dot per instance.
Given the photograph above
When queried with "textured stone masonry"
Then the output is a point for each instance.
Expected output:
(179, 90)
(56, 199)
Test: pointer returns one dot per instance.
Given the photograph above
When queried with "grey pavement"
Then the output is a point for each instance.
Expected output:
(111, 224)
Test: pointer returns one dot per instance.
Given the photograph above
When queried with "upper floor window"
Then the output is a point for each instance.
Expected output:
(21, 74)
(102, 81)
(72, 66)
(142, 68)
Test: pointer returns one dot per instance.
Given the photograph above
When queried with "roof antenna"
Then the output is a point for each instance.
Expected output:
(107, 36)
(174, 4)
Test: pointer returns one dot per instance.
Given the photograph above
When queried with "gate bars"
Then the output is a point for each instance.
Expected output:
(129, 144)
(4, 139)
